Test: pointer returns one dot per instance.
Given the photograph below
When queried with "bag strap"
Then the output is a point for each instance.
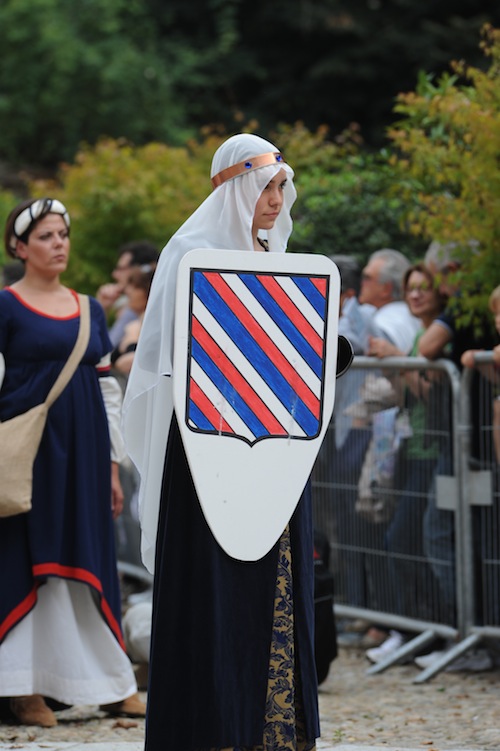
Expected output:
(78, 351)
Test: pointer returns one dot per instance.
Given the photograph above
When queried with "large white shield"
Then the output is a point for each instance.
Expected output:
(255, 358)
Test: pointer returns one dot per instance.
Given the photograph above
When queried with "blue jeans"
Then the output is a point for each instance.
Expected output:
(410, 576)
(439, 542)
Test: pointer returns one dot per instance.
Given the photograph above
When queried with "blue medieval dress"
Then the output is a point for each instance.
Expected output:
(60, 630)
(232, 661)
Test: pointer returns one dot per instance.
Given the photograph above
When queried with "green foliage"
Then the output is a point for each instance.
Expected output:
(7, 202)
(116, 192)
(448, 147)
(74, 71)
(344, 202)
(328, 61)
(351, 212)
(148, 70)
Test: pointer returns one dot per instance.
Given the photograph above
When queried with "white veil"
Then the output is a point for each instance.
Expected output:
(223, 220)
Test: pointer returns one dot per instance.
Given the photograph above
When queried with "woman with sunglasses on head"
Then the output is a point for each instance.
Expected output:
(60, 633)
(232, 658)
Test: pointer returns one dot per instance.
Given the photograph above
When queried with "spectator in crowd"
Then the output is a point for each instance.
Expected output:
(137, 293)
(354, 322)
(59, 592)
(112, 297)
(229, 678)
(410, 582)
(468, 356)
(445, 338)
(381, 286)
(491, 371)
(346, 445)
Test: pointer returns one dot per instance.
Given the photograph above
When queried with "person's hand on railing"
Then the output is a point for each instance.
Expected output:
(378, 347)
(468, 358)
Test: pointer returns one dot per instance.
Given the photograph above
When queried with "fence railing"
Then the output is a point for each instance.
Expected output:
(415, 529)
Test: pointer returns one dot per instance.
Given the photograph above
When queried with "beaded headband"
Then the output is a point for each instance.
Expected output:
(262, 160)
(35, 211)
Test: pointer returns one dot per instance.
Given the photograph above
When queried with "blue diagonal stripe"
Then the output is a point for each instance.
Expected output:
(199, 418)
(312, 293)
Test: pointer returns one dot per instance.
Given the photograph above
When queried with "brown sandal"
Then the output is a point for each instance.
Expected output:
(32, 710)
(130, 707)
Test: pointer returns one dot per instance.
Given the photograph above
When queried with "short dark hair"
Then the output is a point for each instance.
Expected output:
(350, 272)
(142, 252)
(141, 277)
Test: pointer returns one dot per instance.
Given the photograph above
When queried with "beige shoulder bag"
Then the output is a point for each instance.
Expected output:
(21, 435)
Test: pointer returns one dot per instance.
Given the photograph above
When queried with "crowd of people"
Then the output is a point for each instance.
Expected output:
(246, 624)
(400, 557)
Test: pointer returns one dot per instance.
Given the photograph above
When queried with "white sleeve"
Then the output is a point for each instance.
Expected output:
(112, 396)
(2, 369)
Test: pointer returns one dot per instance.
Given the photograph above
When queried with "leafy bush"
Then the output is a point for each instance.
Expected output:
(74, 71)
(7, 202)
(447, 156)
(116, 192)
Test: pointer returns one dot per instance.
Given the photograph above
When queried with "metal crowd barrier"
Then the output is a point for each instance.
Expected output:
(421, 554)
(127, 529)
(480, 478)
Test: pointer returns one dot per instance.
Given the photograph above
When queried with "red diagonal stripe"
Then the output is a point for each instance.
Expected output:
(209, 410)
(276, 356)
(233, 375)
(320, 283)
(292, 312)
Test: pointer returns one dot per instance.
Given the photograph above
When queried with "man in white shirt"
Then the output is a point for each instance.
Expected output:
(381, 286)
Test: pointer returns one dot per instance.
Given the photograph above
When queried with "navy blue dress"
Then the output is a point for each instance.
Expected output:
(213, 626)
(69, 531)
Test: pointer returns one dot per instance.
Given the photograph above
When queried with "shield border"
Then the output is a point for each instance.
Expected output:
(274, 274)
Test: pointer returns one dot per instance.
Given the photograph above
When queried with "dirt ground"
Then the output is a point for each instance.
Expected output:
(451, 711)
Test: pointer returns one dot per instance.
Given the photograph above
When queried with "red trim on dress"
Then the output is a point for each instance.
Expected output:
(64, 572)
(40, 312)
(84, 576)
(19, 612)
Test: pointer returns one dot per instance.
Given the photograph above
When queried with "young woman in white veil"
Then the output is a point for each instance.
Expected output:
(232, 660)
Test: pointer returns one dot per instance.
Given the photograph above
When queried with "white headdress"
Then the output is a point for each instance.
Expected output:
(36, 210)
(241, 168)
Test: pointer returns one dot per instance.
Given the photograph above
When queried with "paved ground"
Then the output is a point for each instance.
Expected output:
(452, 712)
(131, 746)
